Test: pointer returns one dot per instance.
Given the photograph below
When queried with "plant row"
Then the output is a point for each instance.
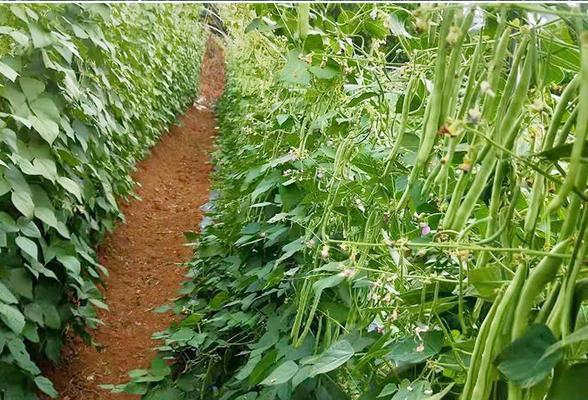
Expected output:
(401, 209)
(85, 90)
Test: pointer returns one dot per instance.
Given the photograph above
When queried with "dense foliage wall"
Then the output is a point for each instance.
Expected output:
(399, 212)
(85, 90)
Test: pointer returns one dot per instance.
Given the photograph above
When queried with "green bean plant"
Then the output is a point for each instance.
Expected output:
(85, 90)
(399, 209)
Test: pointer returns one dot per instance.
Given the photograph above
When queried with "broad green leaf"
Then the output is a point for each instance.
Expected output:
(248, 368)
(23, 203)
(12, 317)
(388, 390)
(413, 350)
(290, 249)
(165, 393)
(44, 108)
(27, 245)
(48, 129)
(282, 374)
(326, 283)
(6, 295)
(571, 384)
(7, 223)
(40, 37)
(8, 72)
(46, 386)
(159, 367)
(20, 282)
(331, 359)
(70, 186)
(324, 73)
(21, 356)
(581, 335)
(4, 186)
(524, 362)
(71, 263)
(296, 70)
(32, 88)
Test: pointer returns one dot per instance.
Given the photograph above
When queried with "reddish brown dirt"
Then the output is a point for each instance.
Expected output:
(144, 255)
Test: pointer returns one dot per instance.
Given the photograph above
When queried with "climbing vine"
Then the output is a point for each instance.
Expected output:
(399, 209)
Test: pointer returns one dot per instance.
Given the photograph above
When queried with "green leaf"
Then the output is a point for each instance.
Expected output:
(159, 367)
(44, 107)
(19, 351)
(248, 368)
(561, 152)
(23, 203)
(413, 350)
(39, 36)
(388, 390)
(8, 72)
(4, 186)
(6, 295)
(71, 264)
(282, 374)
(326, 283)
(571, 384)
(70, 186)
(12, 317)
(324, 73)
(46, 386)
(32, 88)
(48, 129)
(524, 362)
(581, 335)
(27, 245)
(331, 359)
(296, 70)
(165, 393)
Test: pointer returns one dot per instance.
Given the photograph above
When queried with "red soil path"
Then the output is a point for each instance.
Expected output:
(144, 255)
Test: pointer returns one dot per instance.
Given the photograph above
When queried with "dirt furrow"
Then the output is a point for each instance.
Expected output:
(144, 255)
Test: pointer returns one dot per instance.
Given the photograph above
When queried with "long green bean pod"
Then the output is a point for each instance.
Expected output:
(489, 161)
(538, 278)
(563, 133)
(408, 96)
(495, 73)
(572, 276)
(538, 191)
(431, 124)
(581, 132)
(451, 70)
(303, 19)
(481, 389)
(478, 351)
(471, 88)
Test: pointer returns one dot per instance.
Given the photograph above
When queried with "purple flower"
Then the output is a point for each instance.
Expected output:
(425, 230)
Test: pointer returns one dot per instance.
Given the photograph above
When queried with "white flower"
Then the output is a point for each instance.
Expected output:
(374, 14)
(360, 205)
(348, 272)
(421, 329)
(486, 89)
(454, 35)
(325, 252)
(474, 115)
